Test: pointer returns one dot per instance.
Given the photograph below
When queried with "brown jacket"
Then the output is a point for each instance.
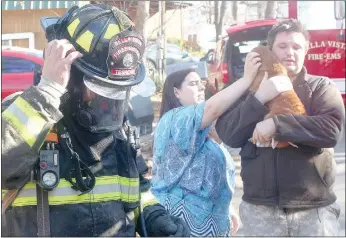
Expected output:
(289, 177)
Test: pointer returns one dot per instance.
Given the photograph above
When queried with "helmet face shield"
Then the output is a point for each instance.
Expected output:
(144, 89)
(105, 89)
(102, 114)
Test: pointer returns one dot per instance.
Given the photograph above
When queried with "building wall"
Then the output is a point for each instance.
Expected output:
(20, 21)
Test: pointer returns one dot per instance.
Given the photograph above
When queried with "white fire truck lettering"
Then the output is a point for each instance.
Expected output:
(315, 56)
(331, 43)
(316, 44)
(327, 56)
(336, 44)
(333, 56)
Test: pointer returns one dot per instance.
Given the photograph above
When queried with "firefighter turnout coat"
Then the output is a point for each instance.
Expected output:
(107, 210)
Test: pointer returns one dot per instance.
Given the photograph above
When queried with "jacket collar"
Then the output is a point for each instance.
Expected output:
(302, 76)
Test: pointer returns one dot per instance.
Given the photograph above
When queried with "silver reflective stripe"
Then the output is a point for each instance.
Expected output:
(17, 112)
(67, 191)
(28, 115)
(25, 120)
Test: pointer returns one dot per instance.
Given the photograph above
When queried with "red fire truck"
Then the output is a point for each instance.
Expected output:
(326, 56)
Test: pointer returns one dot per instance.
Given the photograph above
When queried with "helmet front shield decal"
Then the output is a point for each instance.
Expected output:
(124, 56)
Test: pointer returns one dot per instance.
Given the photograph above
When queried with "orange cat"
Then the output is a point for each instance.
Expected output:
(287, 102)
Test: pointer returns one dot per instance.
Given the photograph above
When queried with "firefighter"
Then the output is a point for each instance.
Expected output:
(68, 167)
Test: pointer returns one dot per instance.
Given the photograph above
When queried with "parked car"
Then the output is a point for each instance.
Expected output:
(18, 68)
(174, 55)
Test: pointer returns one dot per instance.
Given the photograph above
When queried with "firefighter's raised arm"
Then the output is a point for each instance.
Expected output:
(28, 116)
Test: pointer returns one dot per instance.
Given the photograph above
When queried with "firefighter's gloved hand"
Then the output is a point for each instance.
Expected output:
(158, 222)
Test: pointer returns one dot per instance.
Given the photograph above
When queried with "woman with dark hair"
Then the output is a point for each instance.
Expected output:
(193, 176)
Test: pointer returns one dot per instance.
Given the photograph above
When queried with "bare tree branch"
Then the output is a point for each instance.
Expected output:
(271, 9)
(219, 12)
(216, 12)
(142, 16)
(210, 11)
(125, 5)
(223, 10)
(261, 9)
(235, 11)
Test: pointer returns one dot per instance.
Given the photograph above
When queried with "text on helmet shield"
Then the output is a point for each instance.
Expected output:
(125, 49)
(128, 39)
(125, 54)
(124, 72)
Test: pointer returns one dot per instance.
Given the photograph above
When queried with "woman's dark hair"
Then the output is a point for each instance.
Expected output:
(174, 80)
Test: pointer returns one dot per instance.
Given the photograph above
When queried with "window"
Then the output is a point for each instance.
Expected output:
(16, 65)
(6, 42)
(245, 47)
(17, 36)
(239, 52)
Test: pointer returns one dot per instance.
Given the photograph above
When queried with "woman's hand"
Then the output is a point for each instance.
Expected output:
(272, 87)
(252, 64)
(221, 101)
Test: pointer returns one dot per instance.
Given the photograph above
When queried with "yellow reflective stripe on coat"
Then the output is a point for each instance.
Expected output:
(25, 120)
(107, 188)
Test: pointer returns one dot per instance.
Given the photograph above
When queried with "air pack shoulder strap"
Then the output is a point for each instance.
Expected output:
(11, 195)
(43, 223)
(43, 219)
